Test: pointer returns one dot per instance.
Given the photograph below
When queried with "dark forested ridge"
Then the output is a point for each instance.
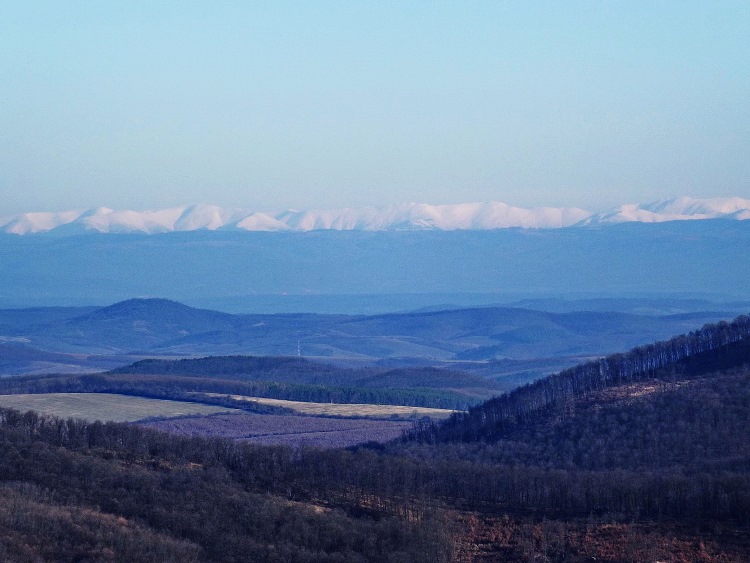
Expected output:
(714, 347)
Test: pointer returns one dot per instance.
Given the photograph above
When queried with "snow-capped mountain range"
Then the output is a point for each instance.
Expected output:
(410, 216)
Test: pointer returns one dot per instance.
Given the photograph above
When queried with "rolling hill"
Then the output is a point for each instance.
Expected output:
(535, 342)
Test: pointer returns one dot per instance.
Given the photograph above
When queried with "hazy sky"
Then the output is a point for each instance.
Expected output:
(275, 104)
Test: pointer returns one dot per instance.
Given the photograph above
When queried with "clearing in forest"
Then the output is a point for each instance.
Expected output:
(106, 406)
(353, 410)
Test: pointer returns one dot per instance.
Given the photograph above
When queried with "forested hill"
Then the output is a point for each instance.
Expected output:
(714, 347)
(307, 372)
(261, 367)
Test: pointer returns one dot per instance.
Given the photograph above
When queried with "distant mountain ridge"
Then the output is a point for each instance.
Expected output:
(404, 217)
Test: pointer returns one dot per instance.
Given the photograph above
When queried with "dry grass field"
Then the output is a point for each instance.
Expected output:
(106, 406)
(289, 430)
(354, 410)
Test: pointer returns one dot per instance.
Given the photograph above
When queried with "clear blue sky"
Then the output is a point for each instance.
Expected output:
(275, 104)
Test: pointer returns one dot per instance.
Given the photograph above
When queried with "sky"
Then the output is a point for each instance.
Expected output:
(276, 105)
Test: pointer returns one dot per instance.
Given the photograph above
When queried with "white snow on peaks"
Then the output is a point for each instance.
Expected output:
(207, 217)
(36, 222)
(261, 222)
(408, 216)
(677, 209)
(420, 216)
(106, 220)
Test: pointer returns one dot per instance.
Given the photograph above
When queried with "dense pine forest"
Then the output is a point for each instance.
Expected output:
(637, 456)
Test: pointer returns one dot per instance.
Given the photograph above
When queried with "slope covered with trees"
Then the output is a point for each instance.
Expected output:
(713, 347)
(97, 491)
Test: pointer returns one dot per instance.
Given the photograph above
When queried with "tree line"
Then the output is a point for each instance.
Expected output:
(193, 388)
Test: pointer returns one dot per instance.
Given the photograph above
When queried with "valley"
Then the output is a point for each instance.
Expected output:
(631, 456)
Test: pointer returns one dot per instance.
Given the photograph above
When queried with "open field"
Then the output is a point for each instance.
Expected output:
(354, 410)
(106, 406)
(289, 430)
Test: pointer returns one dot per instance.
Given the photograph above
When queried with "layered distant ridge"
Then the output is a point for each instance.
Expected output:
(410, 216)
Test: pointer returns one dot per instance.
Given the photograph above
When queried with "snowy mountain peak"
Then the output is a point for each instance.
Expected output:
(410, 216)
(27, 223)
(407, 216)
(677, 209)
